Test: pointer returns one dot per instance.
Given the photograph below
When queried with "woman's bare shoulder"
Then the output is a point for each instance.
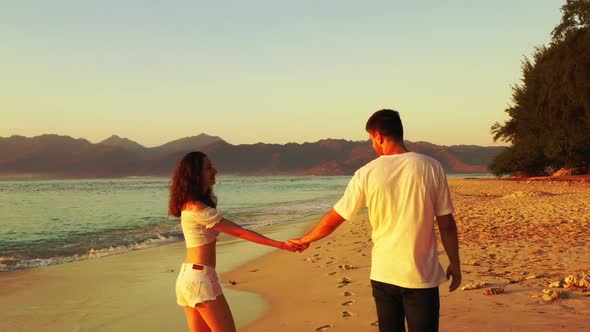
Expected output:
(194, 206)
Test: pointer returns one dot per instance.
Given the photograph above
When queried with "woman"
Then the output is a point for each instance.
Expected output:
(197, 287)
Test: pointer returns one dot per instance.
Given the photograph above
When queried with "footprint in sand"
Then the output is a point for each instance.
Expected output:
(347, 303)
(325, 327)
(348, 294)
(344, 281)
(375, 323)
(346, 314)
(347, 267)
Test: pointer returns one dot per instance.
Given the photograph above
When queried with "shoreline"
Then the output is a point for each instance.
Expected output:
(125, 292)
(516, 236)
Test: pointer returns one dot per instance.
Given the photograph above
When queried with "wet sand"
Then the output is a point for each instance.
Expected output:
(128, 292)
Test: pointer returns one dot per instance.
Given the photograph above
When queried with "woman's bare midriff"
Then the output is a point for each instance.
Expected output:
(204, 254)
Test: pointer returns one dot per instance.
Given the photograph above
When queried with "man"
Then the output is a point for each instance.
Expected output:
(404, 193)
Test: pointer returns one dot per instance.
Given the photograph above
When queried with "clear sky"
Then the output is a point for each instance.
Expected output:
(263, 71)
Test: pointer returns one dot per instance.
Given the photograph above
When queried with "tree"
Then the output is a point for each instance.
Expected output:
(576, 16)
(549, 123)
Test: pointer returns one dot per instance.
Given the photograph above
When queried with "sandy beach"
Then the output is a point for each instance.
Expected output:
(516, 236)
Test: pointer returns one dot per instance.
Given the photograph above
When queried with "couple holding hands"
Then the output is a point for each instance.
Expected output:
(405, 194)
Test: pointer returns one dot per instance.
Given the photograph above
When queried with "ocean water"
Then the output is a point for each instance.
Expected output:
(49, 222)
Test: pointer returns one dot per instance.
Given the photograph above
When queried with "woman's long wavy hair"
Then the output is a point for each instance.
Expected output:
(186, 185)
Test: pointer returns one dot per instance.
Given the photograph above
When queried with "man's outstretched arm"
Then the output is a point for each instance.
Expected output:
(329, 222)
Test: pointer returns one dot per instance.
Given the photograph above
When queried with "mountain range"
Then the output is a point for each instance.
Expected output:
(55, 156)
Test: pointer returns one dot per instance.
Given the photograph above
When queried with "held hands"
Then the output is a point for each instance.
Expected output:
(292, 247)
(454, 272)
(295, 245)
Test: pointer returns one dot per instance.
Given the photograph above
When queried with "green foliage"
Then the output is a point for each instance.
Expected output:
(549, 123)
(518, 159)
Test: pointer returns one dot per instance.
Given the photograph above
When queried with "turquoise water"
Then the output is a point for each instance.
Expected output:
(55, 221)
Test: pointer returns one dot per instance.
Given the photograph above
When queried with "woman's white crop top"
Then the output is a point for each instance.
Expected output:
(196, 226)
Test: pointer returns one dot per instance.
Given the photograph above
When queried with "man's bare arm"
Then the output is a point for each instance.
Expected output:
(329, 222)
(450, 240)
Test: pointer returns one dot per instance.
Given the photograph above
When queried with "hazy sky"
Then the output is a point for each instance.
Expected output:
(263, 71)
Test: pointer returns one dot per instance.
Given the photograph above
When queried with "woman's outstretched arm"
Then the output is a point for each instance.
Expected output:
(233, 229)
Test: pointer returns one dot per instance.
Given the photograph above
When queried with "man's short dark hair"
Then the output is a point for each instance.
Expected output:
(388, 123)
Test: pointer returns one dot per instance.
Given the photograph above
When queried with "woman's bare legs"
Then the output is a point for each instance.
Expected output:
(195, 321)
(217, 315)
(211, 316)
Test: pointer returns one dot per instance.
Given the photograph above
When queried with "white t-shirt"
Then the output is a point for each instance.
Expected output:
(403, 193)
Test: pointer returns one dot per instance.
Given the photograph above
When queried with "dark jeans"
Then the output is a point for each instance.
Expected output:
(419, 306)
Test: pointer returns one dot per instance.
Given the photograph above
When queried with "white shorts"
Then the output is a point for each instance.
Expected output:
(196, 283)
